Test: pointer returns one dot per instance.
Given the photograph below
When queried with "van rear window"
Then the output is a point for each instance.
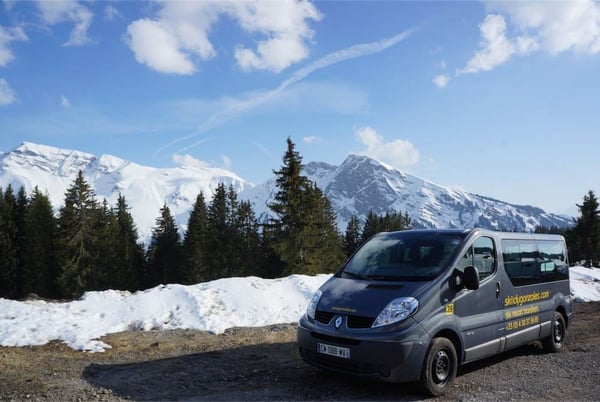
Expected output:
(534, 261)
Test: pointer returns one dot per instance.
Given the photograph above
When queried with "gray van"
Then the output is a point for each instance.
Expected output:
(414, 305)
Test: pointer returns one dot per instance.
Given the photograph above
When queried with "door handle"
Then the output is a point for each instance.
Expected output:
(497, 290)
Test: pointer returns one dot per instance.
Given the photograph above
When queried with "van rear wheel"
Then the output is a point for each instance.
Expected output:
(439, 369)
(558, 332)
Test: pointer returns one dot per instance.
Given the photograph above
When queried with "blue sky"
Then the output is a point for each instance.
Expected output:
(498, 98)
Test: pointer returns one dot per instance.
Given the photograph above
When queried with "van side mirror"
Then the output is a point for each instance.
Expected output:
(471, 278)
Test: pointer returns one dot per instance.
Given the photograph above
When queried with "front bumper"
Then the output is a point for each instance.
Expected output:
(392, 356)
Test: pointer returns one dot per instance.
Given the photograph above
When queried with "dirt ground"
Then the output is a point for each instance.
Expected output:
(263, 364)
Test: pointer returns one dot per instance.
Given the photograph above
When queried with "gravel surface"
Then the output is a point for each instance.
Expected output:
(263, 364)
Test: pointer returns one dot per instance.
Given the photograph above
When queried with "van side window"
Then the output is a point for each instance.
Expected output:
(534, 261)
(481, 255)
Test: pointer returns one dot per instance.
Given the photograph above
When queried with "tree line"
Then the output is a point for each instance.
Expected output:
(89, 245)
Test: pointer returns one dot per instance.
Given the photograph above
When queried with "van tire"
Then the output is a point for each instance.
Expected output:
(439, 368)
(558, 332)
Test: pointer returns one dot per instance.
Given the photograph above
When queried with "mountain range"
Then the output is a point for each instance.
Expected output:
(359, 185)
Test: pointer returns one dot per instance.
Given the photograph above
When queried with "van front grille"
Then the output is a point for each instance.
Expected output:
(323, 316)
(356, 321)
(353, 321)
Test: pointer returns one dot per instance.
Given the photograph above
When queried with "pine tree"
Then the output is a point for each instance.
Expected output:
(194, 244)
(40, 254)
(352, 239)
(20, 211)
(223, 260)
(304, 233)
(78, 238)
(371, 227)
(584, 238)
(106, 273)
(8, 240)
(130, 252)
(249, 248)
(164, 253)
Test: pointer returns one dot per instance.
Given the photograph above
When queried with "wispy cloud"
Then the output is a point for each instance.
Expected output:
(238, 106)
(7, 95)
(312, 140)
(70, 11)
(8, 35)
(64, 102)
(441, 80)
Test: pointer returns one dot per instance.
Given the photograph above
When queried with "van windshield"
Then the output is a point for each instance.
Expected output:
(403, 256)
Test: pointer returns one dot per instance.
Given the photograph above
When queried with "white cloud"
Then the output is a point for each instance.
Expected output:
(70, 11)
(7, 95)
(284, 24)
(557, 26)
(495, 48)
(441, 80)
(551, 27)
(189, 161)
(312, 140)
(64, 101)
(398, 153)
(8, 35)
(157, 47)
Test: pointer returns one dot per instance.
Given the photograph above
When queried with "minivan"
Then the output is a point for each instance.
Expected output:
(414, 305)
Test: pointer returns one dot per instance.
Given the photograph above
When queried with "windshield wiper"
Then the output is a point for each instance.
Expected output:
(352, 274)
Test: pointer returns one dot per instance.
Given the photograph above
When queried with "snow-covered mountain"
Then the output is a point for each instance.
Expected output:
(358, 185)
(361, 184)
(146, 189)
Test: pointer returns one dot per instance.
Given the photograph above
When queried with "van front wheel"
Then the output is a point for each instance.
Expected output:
(440, 367)
(554, 342)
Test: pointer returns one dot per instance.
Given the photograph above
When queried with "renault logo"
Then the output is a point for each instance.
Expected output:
(338, 322)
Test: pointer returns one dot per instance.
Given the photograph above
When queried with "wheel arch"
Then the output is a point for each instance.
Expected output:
(453, 337)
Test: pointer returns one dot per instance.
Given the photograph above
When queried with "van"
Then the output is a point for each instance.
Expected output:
(414, 305)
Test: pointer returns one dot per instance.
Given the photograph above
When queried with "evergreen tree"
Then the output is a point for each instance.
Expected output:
(194, 244)
(584, 238)
(106, 274)
(8, 244)
(390, 222)
(352, 238)
(164, 253)
(249, 243)
(371, 227)
(20, 211)
(78, 238)
(223, 260)
(304, 233)
(129, 251)
(40, 254)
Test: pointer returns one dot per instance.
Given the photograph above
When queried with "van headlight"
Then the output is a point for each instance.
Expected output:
(312, 305)
(396, 311)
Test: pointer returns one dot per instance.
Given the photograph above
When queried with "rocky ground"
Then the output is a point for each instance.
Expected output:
(263, 364)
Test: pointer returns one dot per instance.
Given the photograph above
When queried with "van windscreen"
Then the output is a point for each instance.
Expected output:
(403, 256)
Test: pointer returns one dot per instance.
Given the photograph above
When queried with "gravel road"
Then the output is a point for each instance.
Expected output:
(263, 364)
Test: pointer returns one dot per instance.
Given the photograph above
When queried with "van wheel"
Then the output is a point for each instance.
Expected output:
(558, 333)
(440, 367)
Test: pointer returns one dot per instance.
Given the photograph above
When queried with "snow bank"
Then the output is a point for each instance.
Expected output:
(211, 306)
(585, 284)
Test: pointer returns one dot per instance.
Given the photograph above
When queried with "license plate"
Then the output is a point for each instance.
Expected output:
(331, 350)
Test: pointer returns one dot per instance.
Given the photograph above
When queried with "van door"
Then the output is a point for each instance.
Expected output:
(478, 312)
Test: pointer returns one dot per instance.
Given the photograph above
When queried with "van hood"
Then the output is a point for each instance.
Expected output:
(364, 298)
